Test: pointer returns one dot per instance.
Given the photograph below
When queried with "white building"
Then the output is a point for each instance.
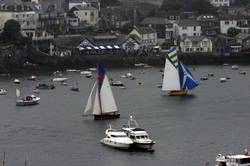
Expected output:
(73, 3)
(26, 13)
(186, 28)
(147, 35)
(219, 3)
(232, 21)
(196, 44)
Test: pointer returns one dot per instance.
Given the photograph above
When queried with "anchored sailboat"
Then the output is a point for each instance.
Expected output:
(177, 78)
(104, 105)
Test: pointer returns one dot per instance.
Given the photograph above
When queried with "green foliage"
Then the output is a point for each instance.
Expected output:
(106, 3)
(126, 28)
(11, 31)
(12, 34)
(200, 6)
(233, 32)
(242, 2)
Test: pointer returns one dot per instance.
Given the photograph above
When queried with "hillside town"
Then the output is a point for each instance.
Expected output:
(61, 28)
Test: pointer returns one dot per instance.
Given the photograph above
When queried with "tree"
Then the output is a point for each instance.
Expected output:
(172, 5)
(233, 31)
(11, 31)
(106, 3)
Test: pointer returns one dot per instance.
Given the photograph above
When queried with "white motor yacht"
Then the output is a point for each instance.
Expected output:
(233, 160)
(116, 139)
(138, 135)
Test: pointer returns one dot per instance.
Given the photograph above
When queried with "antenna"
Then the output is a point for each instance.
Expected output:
(4, 156)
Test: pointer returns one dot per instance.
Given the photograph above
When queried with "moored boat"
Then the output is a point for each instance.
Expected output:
(233, 160)
(223, 79)
(32, 78)
(26, 100)
(59, 79)
(3, 91)
(16, 81)
(235, 67)
(117, 83)
(44, 86)
(116, 139)
(138, 135)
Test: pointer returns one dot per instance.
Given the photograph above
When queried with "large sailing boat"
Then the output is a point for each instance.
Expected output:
(177, 78)
(104, 105)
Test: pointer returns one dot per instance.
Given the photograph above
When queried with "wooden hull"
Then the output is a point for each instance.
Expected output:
(177, 93)
(106, 116)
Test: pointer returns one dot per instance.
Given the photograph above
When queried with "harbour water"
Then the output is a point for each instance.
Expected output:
(188, 130)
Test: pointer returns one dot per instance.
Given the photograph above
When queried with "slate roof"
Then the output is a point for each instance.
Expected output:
(73, 41)
(154, 21)
(207, 18)
(242, 36)
(84, 8)
(195, 38)
(188, 22)
(17, 6)
(145, 30)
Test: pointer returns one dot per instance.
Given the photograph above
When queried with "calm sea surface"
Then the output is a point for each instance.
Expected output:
(189, 131)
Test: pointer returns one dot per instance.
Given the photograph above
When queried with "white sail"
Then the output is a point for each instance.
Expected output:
(171, 80)
(89, 104)
(107, 98)
(18, 93)
(97, 108)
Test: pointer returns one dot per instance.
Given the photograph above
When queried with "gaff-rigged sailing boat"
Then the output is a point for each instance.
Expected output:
(177, 78)
(103, 106)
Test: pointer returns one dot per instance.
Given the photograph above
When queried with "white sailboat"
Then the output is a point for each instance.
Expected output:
(177, 78)
(101, 102)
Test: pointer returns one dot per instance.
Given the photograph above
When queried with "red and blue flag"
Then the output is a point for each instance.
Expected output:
(101, 75)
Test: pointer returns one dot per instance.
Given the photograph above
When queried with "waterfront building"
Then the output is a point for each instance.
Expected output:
(220, 3)
(234, 21)
(244, 40)
(88, 3)
(187, 27)
(146, 35)
(26, 13)
(163, 27)
(209, 25)
(196, 44)
(88, 14)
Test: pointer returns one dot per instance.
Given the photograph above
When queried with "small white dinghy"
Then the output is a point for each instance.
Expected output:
(235, 67)
(16, 81)
(3, 92)
(223, 79)
(59, 79)
(116, 139)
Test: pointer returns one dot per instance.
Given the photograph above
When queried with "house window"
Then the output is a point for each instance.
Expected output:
(184, 28)
(226, 22)
(194, 29)
(194, 34)
(187, 49)
(184, 34)
(86, 13)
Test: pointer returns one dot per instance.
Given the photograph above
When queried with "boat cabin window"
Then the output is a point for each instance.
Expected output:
(138, 137)
(221, 164)
(118, 135)
(243, 161)
(132, 137)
